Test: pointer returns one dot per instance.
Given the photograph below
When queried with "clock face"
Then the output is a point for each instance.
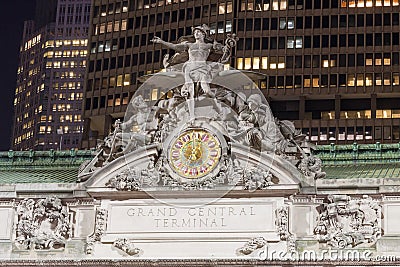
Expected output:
(195, 153)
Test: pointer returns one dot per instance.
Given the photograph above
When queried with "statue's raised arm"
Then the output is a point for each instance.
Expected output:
(177, 47)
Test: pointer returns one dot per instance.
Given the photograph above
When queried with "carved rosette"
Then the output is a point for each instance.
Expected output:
(100, 228)
(252, 245)
(282, 223)
(127, 246)
(346, 222)
(42, 224)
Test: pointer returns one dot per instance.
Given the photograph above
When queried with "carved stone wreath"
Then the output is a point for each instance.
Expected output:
(346, 222)
(42, 224)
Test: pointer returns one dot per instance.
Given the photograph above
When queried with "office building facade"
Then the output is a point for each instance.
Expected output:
(332, 67)
(48, 96)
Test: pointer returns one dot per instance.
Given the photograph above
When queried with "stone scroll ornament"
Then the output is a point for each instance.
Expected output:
(345, 222)
(42, 224)
(252, 245)
(127, 246)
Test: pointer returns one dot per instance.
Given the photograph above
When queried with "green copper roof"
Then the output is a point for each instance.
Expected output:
(41, 166)
(360, 160)
(339, 162)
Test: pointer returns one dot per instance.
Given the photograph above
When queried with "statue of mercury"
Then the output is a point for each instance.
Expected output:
(196, 69)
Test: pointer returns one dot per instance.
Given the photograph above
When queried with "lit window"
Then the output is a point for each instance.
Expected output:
(221, 8)
(256, 63)
(127, 79)
(282, 23)
(119, 80)
(368, 79)
(368, 61)
(325, 63)
(350, 80)
(378, 3)
(307, 82)
(264, 63)
(396, 79)
(273, 63)
(315, 82)
(290, 42)
(368, 3)
(386, 79)
(247, 63)
(386, 61)
(343, 3)
(360, 3)
(360, 80)
(281, 62)
(386, 2)
(283, 5)
(352, 3)
(299, 42)
(290, 23)
(239, 63)
(378, 79)
(395, 2)
(228, 7)
(275, 5)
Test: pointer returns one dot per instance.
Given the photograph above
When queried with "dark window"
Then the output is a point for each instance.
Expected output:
(298, 62)
(334, 40)
(316, 41)
(395, 19)
(241, 25)
(352, 21)
(307, 41)
(360, 39)
(317, 22)
(333, 79)
(265, 43)
(342, 80)
(308, 4)
(256, 45)
(351, 40)
(386, 19)
(317, 4)
(342, 40)
(315, 61)
(325, 41)
(257, 24)
(395, 58)
(369, 20)
(334, 21)
(378, 19)
(369, 39)
(378, 39)
(273, 43)
(299, 22)
(360, 20)
(351, 60)
(307, 61)
(282, 43)
(265, 23)
(325, 3)
(325, 22)
(343, 21)
(274, 24)
(308, 22)
(334, 3)
(360, 60)
(249, 24)
(342, 60)
(386, 39)
(395, 38)
(289, 62)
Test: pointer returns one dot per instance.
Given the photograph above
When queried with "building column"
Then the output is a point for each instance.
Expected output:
(337, 106)
(373, 106)
(302, 107)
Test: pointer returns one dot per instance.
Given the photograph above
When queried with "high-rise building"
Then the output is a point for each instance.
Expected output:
(48, 96)
(332, 66)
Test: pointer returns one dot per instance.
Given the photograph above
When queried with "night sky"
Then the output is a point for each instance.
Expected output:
(12, 16)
